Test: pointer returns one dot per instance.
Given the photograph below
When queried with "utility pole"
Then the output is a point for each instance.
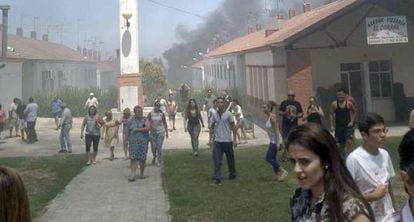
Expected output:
(5, 13)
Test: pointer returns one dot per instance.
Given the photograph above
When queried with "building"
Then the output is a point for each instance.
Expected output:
(38, 65)
(361, 45)
(106, 74)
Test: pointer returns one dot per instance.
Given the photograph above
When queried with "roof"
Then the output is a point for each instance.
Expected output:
(198, 65)
(26, 48)
(292, 28)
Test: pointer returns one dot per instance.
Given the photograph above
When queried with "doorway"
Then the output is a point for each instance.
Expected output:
(352, 81)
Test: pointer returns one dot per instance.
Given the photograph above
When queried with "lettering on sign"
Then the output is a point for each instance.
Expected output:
(386, 30)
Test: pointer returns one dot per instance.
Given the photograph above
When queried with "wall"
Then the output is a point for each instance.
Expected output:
(10, 83)
(326, 61)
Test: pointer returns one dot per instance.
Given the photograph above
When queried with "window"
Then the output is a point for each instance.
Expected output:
(266, 84)
(251, 80)
(380, 79)
(47, 80)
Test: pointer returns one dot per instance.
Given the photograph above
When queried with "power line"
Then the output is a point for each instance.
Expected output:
(177, 9)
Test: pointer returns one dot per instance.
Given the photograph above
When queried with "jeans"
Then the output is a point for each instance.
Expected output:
(218, 150)
(31, 132)
(271, 157)
(157, 139)
(194, 133)
(89, 139)
(64, 138)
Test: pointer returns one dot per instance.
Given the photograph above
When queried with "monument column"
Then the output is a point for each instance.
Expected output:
(130, 91)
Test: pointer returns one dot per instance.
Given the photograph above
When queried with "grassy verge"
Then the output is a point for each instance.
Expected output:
(253, 196)
(45, 177)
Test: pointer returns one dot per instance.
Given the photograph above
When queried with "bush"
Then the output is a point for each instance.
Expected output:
(75, 98)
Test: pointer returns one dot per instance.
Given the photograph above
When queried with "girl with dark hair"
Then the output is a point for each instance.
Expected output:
(159, 131)
(192, 120)
(93, 123)
(327, 191)
(272, 128)
(314, 112)
(14, 203)
(406, 151)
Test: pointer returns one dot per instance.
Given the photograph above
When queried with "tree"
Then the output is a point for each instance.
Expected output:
(153, 80)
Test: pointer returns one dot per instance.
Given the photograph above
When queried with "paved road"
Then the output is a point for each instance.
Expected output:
(102, 192)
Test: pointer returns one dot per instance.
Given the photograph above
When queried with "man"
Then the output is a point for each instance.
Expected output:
(291, 111)
(371, 167)
(208, 101)
(56, 109)
(65, 125)
(172, 110)
(222, 124)
(91, 101)
(13, 118)
(31, 115)
(342, 120)
(21, 106)
(184, 91)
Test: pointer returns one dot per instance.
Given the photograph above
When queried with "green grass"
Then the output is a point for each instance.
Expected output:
(253, 196)
(45, 177)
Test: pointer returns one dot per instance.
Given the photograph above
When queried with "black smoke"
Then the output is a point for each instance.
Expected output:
(228, 21)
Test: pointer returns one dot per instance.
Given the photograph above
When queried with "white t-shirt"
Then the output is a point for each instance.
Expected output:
(368, 172)
(238, 113)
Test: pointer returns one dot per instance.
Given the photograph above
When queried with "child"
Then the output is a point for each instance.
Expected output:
(110, 133)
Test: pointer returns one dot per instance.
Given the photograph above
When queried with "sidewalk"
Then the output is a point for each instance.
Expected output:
(102, 192)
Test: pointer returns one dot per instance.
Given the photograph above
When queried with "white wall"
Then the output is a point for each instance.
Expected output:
(10, 83)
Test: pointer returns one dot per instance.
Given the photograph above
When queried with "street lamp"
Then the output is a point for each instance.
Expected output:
(127, 15)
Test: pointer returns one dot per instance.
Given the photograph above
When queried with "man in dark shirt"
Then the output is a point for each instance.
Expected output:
(291, 111)
(20, 113)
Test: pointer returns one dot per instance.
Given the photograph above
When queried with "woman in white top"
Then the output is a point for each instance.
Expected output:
(238, 115)
(272, 128)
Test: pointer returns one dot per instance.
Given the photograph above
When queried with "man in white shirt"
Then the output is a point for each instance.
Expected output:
(91, 101)
(371, 167)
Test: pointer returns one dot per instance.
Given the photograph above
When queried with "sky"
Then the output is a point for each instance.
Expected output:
(94, 23)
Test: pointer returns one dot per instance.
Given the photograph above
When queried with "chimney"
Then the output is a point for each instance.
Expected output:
(269, 32)
(306, 6)
(90, 53)
(85, 52)
(45, 37)
(292, 13)
(33, 35)
(19, 32)
(258, 27)
(118, 54)
(79, 49)
(99, 56)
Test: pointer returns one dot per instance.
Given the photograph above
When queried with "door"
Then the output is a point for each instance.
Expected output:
(352, 81)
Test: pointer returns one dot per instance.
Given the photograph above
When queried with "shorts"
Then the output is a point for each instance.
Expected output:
(57, 114)
(343, 133)
(171, 115)
(22, 124)
(240, 123)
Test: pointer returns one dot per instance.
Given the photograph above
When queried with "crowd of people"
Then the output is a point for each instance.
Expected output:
(336, 182)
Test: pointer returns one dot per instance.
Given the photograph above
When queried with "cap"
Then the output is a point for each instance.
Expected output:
(91, 94)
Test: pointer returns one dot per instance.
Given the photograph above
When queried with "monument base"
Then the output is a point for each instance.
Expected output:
(130, 91)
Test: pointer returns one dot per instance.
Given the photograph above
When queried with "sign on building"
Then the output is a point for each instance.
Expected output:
(386, 30)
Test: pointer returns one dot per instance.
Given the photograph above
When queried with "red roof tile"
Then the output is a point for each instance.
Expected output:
(26, 48)
(290, 29)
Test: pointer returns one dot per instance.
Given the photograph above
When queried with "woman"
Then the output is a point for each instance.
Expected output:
(327, 191)
(110, 133)
(14, 203)
(192, 120)
(138, 136)
(159, 131)
(272, 128)
(238, 114)
(125, 118)
(314, 112)
(93, 123)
